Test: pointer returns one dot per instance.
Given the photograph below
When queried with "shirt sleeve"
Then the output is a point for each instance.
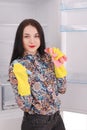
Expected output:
(24, 102)
(61, 85)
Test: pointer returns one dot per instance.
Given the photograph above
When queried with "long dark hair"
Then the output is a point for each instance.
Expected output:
(18, 49)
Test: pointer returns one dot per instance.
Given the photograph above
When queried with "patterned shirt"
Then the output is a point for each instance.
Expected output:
(45, 87)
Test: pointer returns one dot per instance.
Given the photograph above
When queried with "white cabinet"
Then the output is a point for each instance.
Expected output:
(74, 38)
(74, 44)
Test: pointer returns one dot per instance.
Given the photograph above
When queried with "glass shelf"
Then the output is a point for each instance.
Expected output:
(73, 6)
(77, 78)
(73, 28)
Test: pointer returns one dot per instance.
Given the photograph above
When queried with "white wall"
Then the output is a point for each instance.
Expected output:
(13, 14)
(50, 15)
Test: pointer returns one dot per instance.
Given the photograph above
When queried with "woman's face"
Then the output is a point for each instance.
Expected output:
(31, 39)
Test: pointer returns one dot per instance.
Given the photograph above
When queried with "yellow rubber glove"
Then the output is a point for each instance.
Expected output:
(21, 74)
(60, 71)
(58, 59)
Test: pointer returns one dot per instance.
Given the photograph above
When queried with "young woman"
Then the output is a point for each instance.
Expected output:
(33, 79)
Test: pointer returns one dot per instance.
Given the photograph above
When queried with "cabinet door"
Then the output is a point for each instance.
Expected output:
(74, 43)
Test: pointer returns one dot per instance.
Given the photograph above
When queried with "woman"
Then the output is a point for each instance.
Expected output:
(33, 79)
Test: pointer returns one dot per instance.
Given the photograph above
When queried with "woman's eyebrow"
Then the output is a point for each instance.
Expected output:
(26, 34)
(29, 34)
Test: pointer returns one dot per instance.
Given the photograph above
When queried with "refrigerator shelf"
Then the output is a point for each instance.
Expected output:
(73, 28)
(69, 6)
(77, 78)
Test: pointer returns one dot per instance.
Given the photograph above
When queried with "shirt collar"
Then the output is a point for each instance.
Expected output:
(26, 55)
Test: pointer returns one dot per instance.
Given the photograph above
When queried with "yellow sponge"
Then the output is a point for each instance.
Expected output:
(21, 74)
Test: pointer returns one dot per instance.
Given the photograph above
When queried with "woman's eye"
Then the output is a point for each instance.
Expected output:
(26, 36)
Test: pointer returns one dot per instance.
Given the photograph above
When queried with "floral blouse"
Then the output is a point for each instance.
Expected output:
(45, 87)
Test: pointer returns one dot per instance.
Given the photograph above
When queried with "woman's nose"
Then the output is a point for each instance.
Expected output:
(32, 40)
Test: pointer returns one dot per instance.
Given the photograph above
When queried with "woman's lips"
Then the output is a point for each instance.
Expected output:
(32, 46)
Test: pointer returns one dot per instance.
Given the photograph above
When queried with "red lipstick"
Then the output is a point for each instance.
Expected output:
(32, 46)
